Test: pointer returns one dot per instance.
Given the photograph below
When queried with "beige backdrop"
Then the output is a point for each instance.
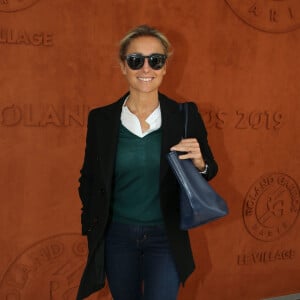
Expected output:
(238, 60)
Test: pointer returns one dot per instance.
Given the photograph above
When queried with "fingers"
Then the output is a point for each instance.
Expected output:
(193, 151)
(187, 145)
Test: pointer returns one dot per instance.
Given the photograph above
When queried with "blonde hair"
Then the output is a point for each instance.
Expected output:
(143, 30)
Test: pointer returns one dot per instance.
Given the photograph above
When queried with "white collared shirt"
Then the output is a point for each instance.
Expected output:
(132, 123)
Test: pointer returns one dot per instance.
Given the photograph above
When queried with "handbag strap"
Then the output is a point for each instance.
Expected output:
(183, 107)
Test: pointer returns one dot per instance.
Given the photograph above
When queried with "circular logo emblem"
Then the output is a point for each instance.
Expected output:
(15, 5)
(49, 269)
(271, 206)
(268, 15)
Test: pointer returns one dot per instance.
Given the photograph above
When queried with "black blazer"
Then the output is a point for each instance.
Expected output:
(96, 183)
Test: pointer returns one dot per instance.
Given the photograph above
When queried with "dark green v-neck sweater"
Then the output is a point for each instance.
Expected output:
(136, 187)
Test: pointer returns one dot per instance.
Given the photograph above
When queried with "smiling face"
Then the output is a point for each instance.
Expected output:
(146, 79)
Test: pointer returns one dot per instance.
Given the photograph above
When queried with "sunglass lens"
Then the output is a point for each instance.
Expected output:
(157, 61)
(135, 62)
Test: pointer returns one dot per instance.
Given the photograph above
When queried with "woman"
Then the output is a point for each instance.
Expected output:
(130, 197)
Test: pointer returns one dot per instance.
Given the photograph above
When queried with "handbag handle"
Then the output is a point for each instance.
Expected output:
(183, 107)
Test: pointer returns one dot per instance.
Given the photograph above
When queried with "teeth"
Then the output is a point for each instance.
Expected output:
(145, 79)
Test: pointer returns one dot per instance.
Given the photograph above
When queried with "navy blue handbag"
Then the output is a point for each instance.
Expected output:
(199, 203)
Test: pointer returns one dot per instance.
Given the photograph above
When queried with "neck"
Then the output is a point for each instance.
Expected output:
(142, 103)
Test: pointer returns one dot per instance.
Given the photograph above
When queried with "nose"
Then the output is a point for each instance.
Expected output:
(146, 67)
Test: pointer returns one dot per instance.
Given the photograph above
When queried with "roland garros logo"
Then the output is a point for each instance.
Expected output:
(49, 269)
(268, 15)
(15, 5)
(271, 206)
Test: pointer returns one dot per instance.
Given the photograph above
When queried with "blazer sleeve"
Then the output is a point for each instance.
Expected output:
(196, 129)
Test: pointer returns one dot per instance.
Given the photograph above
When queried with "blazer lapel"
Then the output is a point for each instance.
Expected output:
(172, 130)
(109, 125)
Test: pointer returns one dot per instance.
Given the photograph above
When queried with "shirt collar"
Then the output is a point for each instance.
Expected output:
(132, 123)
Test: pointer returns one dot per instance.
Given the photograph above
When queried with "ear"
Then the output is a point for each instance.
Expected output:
(123, 67)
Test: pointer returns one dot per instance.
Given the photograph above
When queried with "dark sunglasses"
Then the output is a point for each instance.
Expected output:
(136, 61)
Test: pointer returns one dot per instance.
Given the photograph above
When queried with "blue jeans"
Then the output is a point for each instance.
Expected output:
(139, 264)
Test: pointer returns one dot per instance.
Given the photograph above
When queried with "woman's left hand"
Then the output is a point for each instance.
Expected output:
(193, 151)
